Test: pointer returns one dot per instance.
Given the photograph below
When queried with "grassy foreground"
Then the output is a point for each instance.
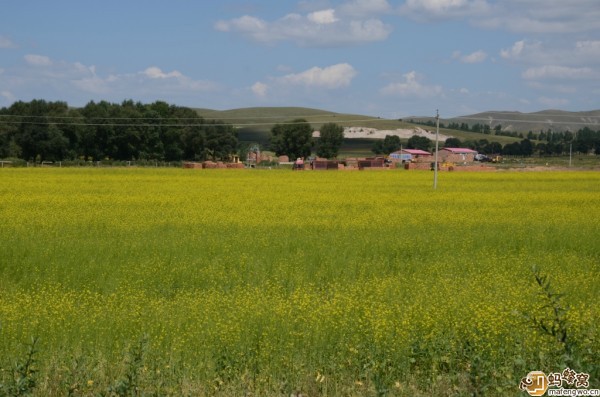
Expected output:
(271, 282)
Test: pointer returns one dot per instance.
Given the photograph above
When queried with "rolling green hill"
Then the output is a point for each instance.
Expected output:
(258, 121)
(555, 120)
(254, 125)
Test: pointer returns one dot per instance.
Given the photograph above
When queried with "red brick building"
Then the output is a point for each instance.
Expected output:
(413, 155)
(457, 155)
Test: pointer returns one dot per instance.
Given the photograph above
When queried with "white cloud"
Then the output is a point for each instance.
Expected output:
(322, 28)
(444, 9)
(38, 60)
(245, 23)
(260, 89)
(335, 76)
(360, 8)
(175, 81)
(561, 53)
(154, 72)
(369, 30)
(523, 16)
(323, 17)
(436, 5)
(75, 80)
(92, 84)
(558, 72)
(561, 66)
(5, 42)
(543, 16)
(515, 51)
(588, 50)
(412, 87)
(9, 96)
(475, 57)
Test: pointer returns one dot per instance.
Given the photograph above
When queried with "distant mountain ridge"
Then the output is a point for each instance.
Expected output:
(555, 120)
(552, 119)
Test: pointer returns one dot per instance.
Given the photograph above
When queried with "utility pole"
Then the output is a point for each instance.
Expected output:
(570, 152)
(435, 164)
(571, 148)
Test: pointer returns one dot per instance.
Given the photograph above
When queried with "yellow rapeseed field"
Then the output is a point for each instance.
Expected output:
(271, 282)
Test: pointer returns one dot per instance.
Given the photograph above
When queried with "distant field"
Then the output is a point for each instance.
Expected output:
(255, 124)
(272, 282)
(555, 120)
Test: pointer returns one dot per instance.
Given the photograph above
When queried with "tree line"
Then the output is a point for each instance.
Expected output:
(294, 139)
(585, 140)
(588, 141)
(52, 131)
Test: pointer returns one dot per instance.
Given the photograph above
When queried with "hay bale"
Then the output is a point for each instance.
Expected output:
(192, 164)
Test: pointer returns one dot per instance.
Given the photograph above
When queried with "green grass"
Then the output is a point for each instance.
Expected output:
(269, 282)
(255, 123)
(577, 162)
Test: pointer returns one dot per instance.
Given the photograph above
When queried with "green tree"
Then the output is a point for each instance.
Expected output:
(38, 134)
(8, 145)
(221, 141)
(493, 148)
(332, 137)
(419, 142)
(99, 131)
(526, 147)
(293, 139)
(387, 145)
(391, 143)
(193, 143)
(512, 149)
(56, 146)
(51, 131)
(453, 142)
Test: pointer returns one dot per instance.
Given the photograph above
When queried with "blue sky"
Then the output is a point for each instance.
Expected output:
(377, 57)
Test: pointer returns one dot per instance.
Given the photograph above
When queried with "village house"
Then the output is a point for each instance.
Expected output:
(411, 155)
(457, 155)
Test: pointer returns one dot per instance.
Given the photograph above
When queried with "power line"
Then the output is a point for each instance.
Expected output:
(200, 124)
(175, 118)
(536, 114)
(549, 122)
(9, 119)
(596, 118)
(501, 113)
(305, 116)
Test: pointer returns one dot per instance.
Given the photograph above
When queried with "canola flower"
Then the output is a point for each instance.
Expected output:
(263, 281)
